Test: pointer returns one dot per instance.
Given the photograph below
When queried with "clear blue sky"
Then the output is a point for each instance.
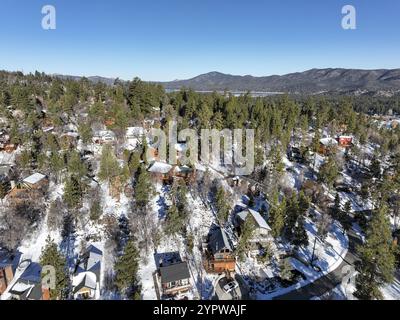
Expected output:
(177, 39)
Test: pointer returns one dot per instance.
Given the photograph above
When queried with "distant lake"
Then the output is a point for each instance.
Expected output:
(234, 93)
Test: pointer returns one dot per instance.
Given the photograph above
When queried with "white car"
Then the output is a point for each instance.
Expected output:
(230, 286)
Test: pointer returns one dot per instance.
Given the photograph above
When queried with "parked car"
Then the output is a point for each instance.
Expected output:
(230, 286)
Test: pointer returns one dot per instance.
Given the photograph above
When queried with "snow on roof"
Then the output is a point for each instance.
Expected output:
(35, 178)
(48, 129)
(104, 133)
(328, 142)
(160, 167)
(345, 137)
(134, 131)
(257, 217)
(21, 287)
(84, 280)
(182, 169)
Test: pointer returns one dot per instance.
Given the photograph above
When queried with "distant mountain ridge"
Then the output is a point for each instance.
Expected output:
(314, 81)
(311, 81)
(94, 79)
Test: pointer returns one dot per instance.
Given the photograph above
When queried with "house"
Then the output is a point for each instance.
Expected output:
(175, 278)
(262, 229)
(34, 186)
(327, 145)
(29, 285)
(160, 171)
(345, 141)
(5, 143)
(86, 279)
(184, 172)
(36, 181)
(219, 256)
(103, 137)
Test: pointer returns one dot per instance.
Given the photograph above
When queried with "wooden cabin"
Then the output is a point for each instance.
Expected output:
(219, 256)
(327, 146)
(161, 171)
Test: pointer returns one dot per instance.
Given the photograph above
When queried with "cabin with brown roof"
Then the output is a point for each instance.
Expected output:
(31, 187)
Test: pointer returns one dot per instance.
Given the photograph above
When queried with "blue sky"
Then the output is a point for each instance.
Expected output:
(178, 39)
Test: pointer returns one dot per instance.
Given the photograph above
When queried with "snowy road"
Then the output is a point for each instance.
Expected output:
(328, 282)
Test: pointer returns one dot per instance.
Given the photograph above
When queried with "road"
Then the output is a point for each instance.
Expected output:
(328, 282)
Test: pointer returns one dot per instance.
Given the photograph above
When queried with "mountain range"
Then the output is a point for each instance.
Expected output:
(314, 81)
(311, 81)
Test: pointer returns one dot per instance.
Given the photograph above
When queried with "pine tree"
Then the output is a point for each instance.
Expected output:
(345, 218)
(143, 188)
(300, 237)
(52, 257)
(126, 268)
(377, 259)
(85, 132)
(174, 221)
(246, 233)
(277, 216)
(375, 168)
(76, 166)
(95, 210)
(328, 172)
(73, 192)
(221, 205)
(337, 209)
(109, 166)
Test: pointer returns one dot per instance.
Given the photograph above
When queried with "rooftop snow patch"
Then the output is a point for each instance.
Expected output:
(260, 221)
(134, 132)
(35, 178)
(328, 142)
(160, 167)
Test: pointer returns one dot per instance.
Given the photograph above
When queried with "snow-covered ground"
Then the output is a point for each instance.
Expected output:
(328, 256)
(200, 220)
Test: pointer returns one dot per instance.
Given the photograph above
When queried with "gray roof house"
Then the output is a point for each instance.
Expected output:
(218, 242)
(86, 278)
(262, 229)
(175, 278)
